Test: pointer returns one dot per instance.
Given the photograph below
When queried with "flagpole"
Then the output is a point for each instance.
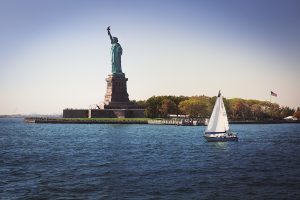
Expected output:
(272, 94)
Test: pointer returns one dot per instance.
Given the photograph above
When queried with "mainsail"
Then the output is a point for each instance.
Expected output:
(218, 122)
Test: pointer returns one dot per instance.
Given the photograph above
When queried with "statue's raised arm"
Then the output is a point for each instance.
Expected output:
(108, 31)
(116, 53)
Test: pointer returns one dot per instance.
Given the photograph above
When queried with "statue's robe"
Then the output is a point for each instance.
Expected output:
(116, 52)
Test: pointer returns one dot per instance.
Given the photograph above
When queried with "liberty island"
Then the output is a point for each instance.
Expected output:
(116, 103)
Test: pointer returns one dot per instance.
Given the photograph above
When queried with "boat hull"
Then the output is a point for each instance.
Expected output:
(221, 138)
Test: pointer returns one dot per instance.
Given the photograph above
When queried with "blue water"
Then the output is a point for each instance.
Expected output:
(95, 161)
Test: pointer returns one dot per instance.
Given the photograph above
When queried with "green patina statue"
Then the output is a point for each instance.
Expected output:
(116, 53)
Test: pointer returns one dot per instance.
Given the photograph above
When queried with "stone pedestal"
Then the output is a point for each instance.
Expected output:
(116, 96)
(116, 90)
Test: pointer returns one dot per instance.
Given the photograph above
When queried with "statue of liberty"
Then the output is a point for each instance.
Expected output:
(116, 53)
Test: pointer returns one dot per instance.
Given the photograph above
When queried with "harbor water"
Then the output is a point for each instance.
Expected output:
(110, 161)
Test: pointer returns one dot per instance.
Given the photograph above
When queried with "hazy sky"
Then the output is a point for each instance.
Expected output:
(55, 54)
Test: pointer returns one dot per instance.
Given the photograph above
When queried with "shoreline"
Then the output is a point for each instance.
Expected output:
(83, 121)
(138, 121)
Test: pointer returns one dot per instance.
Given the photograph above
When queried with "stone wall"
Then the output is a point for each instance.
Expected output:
(135, 113)
(103, 113)
(117, 113)
(75, 113)
(96, 113)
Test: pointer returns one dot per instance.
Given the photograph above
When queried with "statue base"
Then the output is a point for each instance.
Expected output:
(116, 96)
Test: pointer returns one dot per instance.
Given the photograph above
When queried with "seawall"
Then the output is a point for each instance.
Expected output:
(84, 121)
(139, 121)
(103, 113)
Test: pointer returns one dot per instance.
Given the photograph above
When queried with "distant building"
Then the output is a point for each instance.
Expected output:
(290, 118)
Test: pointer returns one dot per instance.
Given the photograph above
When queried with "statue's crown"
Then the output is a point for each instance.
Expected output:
(115, 39)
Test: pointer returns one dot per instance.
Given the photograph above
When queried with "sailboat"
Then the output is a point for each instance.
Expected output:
(217, 129)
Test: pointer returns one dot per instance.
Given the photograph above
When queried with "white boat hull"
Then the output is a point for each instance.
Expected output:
(220, 137)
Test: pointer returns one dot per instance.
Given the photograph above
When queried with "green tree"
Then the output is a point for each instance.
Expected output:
(152, 107)
(194, 108)
(274, 111)
(257, 112)
(161, 106)
(167, 107)
(177, 100)
(141, 104)
(240, 109)
(286, 111)
(201, 106)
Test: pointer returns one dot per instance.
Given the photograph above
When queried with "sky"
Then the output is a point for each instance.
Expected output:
(55, 54)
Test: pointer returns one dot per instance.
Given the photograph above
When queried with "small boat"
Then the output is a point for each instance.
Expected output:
(217, 129)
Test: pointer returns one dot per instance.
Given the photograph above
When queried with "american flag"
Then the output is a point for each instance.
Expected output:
(273, 94)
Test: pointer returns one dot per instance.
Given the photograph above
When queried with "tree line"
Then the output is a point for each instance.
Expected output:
(201, 107)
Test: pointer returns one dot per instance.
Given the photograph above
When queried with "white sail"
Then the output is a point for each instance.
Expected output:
(226, 124)
(218, 121)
